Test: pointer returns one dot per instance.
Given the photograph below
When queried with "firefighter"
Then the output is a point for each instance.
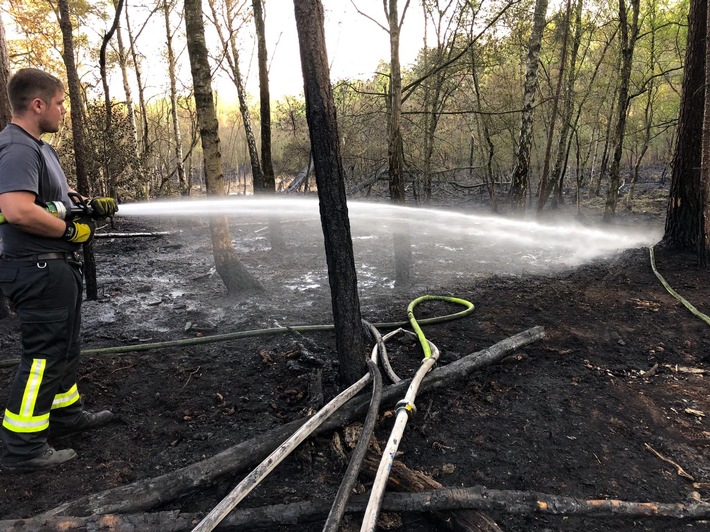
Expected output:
(41, 274)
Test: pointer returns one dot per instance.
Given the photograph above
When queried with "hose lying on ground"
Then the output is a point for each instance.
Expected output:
(227, 504)
(675, 294)
(247, 334)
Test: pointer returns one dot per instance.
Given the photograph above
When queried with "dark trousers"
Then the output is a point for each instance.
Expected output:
(47, 297)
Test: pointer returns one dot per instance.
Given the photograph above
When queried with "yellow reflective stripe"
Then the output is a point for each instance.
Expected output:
(18, 423)
(34, 379)
(67, 398)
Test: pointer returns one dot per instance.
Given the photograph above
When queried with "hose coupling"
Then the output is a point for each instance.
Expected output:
(406, 406)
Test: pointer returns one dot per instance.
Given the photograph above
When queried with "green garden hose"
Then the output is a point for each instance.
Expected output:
(675, 294)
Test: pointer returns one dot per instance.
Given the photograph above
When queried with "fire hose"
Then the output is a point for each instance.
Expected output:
(211, 520)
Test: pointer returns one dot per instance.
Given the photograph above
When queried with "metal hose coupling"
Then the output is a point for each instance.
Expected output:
(407, 406)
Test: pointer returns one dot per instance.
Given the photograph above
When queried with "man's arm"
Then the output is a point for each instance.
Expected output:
(21, 210)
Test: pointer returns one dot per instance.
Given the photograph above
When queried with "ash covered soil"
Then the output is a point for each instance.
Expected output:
(610, 404)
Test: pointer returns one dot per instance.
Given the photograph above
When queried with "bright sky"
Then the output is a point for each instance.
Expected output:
(356, 45)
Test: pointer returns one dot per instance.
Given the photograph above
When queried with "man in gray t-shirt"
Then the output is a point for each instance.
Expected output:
(41, 274)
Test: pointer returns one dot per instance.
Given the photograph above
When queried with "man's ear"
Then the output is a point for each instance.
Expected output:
(37, 105)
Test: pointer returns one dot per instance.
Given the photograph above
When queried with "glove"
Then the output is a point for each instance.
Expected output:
(103, 207)
(79, 230)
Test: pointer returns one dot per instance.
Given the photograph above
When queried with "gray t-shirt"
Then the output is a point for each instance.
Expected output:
(28, 164)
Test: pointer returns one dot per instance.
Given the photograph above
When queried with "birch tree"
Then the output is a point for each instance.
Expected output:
(520, 181)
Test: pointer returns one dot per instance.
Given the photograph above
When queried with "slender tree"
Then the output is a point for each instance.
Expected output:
(135, 168)
(177, 138)
(325, 141)
(231, 54)
(521, 171)
(546, 184)
(77, 126)
(628, 34)
(107, 95)
(234, 275)
(269, 184)
(395, 147)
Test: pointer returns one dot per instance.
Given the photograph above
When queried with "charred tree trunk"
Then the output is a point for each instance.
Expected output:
(233, 274)
(685, 200)
(521, 172)
(704, 233)
(325, 140)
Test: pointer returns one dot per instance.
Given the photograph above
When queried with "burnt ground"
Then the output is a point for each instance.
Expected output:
(623, 369)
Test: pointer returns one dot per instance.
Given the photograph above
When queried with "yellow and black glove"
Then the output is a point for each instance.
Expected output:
(80, 230)
(103, 207)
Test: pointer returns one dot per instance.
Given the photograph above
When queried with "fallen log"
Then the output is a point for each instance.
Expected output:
(149, 493)
(402, 478)
(447, 499)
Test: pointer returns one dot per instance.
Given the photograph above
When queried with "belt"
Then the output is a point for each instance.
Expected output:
(74, 256)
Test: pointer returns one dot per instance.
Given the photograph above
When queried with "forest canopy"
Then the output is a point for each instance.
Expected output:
(462, 96)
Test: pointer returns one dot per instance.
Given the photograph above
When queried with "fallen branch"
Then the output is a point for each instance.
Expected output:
(448, 499)
(681, 472)
(149, 493)
(402, 478)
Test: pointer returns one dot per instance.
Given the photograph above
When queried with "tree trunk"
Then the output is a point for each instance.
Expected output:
(145, 143)
(704, 233)
(629, 34)
(5, 117)
(110, 179)
(482, 122)
(565, 142)
(546, 184)
(177, 138)
(135, 172)
(325, 140)
(231, 53)
(395, 152)
(267, 166)
(233, 274)
(5, 109)
(685, 201)
(77, 126)
(521, 178)
(269, 183)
